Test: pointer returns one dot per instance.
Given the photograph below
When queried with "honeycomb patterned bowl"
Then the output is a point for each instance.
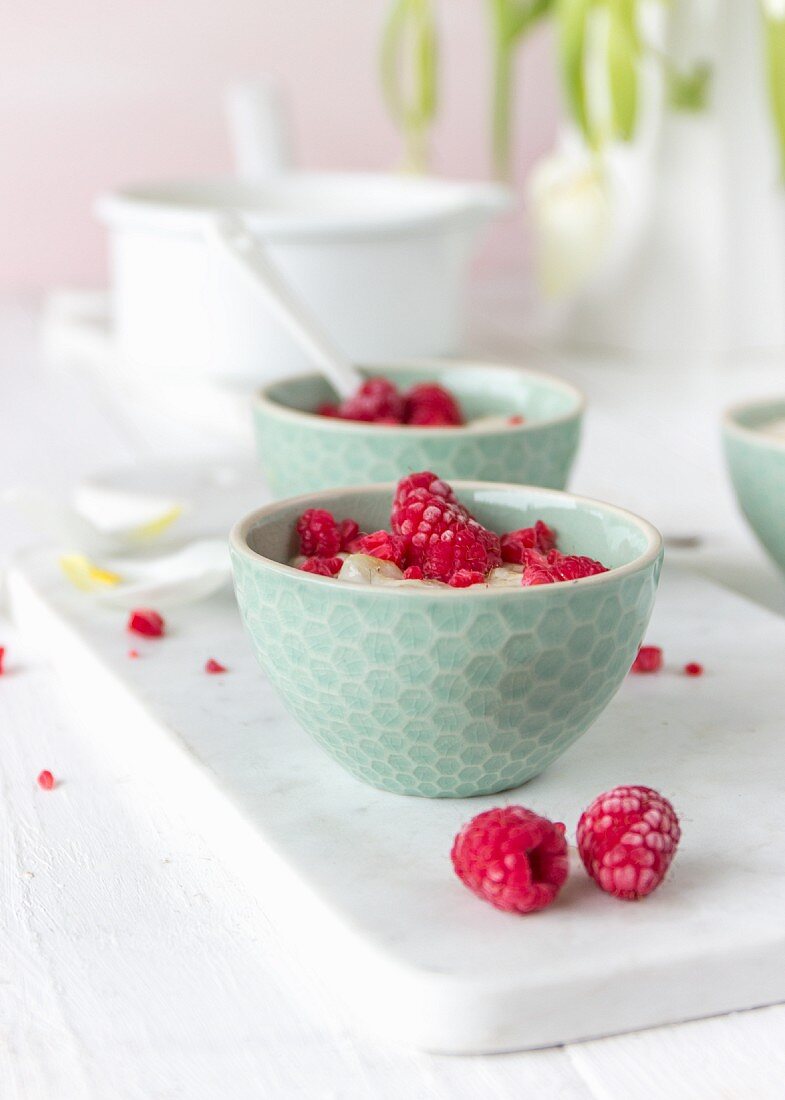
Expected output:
(301, 452)
(446, 692)
(757, 467)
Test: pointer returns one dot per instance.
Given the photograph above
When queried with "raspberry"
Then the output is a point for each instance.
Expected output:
(377, 399)
(2, 658)
(512, 858)
(214, 667)
(693, 669)
(319, 534)
(147, 622)
(324, 567)
(413, 573)
(133, 654)
(555, 567)
(465, 578)
(430, 405)
(516, 420)
(540, 537)
(627, 839)
(649, 659)
(441, 535)
(381, 544)
(328, 409)
(348, 530)
(46, 781)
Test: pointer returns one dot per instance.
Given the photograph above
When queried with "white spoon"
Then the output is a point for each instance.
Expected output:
(229, 235)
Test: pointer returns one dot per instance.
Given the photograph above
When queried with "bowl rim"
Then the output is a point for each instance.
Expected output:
(731, 425)
(238, 541)
(262, 400)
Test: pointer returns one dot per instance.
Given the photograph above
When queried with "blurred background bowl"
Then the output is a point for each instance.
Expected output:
(445, 692)
(302, 452)
(757, 467)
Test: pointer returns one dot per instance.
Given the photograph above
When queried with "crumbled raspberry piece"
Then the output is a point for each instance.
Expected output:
(555, 567)
(649, 659)
(319, 534)
(328, 409)
(377, 399)
(512, 858)
(2, 658)
(214, 667)
(324, 567)
(381, 544)
(465, 578)
(147, 622)
(627, 839)
(46, 781)
(516, 420)
(514, 544)
(133, 654)
(573, 567)
(429, 405)
(413, 573)
(348, 531)
(693, 669)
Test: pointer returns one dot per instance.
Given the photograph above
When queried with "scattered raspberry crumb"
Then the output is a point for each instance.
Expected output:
(212, 666)
(382, 545)
(514, 420)
(693, 669)
(133, 654)
(627, 839)
(2, 658)
(465, 578)
(323, 567)
(147, 622)
(46, 781)
(649, 659)
(515, 543)
(348, 530)
(413, 573)
(512, 858)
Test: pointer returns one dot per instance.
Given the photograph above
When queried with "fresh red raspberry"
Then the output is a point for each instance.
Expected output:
(381, 544)
(430, 405)
(649, 659)
(693, 669)
(214, 667)
(324, 567)
(348, 530)
(627, 839)
(515, 543)
(555, 567)
(147, 622)
(465, 578)
(441, 535)
(377, 399)
(2, 658)
(320, 536)
(46, 781)
(413, 573)
(512, 858)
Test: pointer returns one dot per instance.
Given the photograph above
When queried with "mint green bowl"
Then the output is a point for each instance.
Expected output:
(757, 469)
(446, 692)
(301, 452)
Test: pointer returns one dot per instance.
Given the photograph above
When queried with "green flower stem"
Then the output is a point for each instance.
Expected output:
(774, 33)
(409, 75)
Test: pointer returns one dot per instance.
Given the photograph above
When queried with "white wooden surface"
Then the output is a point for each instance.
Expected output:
(133, 965)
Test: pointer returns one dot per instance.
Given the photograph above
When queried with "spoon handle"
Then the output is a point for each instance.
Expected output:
(228, 234)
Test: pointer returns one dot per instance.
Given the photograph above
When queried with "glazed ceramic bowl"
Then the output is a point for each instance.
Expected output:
(301, 452)
(757, 468)
(446, 692)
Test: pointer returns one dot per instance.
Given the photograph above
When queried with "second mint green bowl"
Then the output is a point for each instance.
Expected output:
(445, 692)
(757, 468)
(301, 452)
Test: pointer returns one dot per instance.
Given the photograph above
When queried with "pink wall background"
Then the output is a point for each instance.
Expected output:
(97, 94)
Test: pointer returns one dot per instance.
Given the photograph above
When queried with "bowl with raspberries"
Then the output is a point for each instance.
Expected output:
(466, 420)
(754, 440)
(445, 640)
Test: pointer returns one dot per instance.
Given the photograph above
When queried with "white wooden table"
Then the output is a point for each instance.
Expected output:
(133, 965)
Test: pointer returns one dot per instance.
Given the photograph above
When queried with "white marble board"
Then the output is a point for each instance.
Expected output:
(361, 880)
